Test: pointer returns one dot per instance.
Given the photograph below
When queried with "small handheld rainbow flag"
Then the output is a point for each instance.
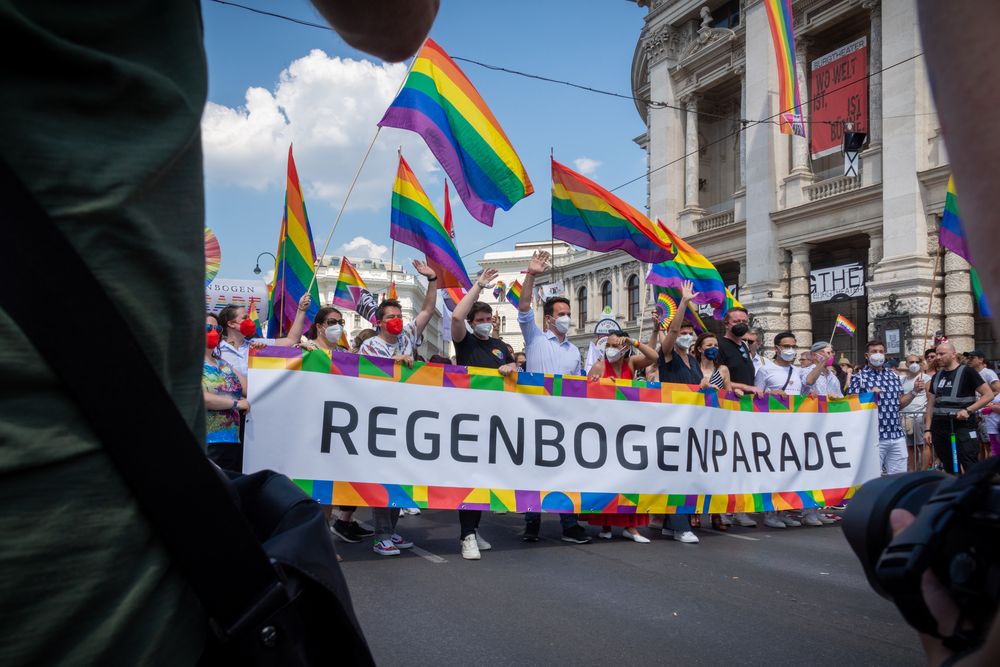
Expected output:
(845, 325)
(350, 289)
(255, 318)
(500, 291)
(514, 294)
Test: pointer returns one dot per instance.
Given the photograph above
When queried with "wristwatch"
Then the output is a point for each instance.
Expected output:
(236, 404)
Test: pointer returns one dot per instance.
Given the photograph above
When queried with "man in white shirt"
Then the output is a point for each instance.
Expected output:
(548, 351)
(914, 379)
(820, 378)
(752, 339)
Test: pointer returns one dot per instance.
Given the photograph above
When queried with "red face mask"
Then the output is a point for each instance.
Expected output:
(248, 328)
(212, 339)
(394, 326)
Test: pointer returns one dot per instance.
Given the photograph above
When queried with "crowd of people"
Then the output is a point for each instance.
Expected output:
(934, 411)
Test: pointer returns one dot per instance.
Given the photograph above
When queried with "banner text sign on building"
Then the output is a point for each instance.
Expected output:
(839, 95)
(355, 430)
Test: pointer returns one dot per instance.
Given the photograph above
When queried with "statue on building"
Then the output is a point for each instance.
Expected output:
(706, 19)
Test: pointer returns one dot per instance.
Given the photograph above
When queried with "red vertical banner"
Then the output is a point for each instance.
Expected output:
(838, 87)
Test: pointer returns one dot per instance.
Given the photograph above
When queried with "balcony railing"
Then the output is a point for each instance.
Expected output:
(715, 221)
(832, 187)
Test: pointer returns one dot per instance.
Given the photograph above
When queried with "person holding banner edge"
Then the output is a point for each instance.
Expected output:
(484, 349)
(548, 352)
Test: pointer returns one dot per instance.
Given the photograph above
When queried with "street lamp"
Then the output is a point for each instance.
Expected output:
(256, 269)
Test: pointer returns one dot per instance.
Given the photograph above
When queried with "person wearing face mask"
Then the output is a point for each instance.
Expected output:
(821, 377)
(752, 340)
(327, 331)
(225, 393)
(713, 374)
(953, 396)
(781, 377)
(977, 362)
(398, 341)
(891, 399)
(483, 349)
(915, 382)
(735, 355)
(548, 351)
(618, 362)
(238, 329)
(521, 360)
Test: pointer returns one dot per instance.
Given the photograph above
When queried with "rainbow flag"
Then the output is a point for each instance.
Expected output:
(587, 215)
(514, 294)
(779, 17)
(500, 291)
(439, 103)
(255, 318)
(845, 325)
(415, 223)
(392, 291)
(689, 264)
(670, 298)
(296, 263)
(445, 279)
(952, 237)
(351, 292)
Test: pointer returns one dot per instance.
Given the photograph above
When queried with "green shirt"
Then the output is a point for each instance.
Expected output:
(101, 113)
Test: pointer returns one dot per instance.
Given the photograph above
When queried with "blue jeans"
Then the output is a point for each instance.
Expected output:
(567, 520)
(678, 522)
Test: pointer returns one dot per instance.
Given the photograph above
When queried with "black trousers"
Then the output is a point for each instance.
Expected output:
(227, 455)
(966, 444)
(469, 521)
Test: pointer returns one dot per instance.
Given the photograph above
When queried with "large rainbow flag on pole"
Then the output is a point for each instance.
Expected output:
(952, 237)
(779, 17)
(296, 263)
(587, 215)
(416, 223)
(689, 264)
(439, 103)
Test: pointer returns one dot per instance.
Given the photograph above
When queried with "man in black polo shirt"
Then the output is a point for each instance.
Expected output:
(735, 355)
(951, 405)
(479, 349)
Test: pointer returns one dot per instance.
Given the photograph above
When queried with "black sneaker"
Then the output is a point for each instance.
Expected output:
(576, 534)
(360, 532)
(342, 529)
(531, 531)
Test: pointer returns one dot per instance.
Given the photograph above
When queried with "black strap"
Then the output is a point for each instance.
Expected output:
(177, 488)
(787, 379)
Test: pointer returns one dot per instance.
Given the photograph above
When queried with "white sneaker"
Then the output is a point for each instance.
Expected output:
(789, 521)
(824, 519)
(400, 542)
(470, 550)
(811, 518)
(386, 548)
(686, 536)
(636, 537)
(481, 543)
(412, 511)
(604, 535)
(742, 519)
(772, 520)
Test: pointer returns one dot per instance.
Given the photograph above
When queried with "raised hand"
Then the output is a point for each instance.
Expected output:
(486, 278)
(539, 262)
(424, 270)
(687, 290)
(305, 301)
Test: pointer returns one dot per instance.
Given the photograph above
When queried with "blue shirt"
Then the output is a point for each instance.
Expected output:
(544, 352)
(890, 389)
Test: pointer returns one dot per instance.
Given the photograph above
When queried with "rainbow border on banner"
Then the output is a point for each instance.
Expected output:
(336, 492)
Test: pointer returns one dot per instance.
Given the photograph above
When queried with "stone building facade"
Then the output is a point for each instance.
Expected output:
(779, 221)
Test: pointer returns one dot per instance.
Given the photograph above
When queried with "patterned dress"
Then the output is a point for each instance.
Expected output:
(220, 378)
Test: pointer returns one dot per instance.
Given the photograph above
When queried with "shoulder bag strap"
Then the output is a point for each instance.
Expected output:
(787, 379)
(178, 489)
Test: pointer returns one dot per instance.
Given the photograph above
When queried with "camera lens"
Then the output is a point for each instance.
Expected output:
(866, 521)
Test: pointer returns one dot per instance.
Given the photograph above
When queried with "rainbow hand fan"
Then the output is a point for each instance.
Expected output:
(213, 256)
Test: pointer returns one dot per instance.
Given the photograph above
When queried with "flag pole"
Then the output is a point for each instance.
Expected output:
(392, 264)
(357, 174)
(552, 243)
(930, 300)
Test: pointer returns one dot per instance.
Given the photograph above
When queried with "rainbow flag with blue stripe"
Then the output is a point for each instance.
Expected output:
(689, 264)
(439, 103)
(779, 17)
(514, 294)
(952, 237)
(415, 223)
(296, 263)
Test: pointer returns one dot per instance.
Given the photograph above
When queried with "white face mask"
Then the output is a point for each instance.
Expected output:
(613, 353)
(562, 324)
(333, 334)
(788, 353)
(876, 359)
(483, 329)
(685, 341)
(914, 368)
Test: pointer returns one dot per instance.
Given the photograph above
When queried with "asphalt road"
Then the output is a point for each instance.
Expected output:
(748, 597)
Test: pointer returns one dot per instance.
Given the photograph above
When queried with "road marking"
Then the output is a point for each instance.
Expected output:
(427, 555)
(728, 534)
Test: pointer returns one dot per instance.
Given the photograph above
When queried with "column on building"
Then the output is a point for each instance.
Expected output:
(692, 164)
(593, 296)
(799, 303)
(875, 70)
(665, 134)
(739, 197)
(800, 174)
(959, 323)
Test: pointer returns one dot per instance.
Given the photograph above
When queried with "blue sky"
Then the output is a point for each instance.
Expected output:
(272, 81)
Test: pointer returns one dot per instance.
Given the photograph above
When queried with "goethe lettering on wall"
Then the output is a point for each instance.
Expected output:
(354, 429)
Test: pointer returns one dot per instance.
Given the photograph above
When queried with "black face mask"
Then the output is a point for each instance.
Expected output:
(740, 330)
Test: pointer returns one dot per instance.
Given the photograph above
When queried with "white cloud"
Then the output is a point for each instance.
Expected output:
(586, 166)
(328, 107)
(364, 248)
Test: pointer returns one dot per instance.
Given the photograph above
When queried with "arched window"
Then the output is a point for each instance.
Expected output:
(633, 297)
(605, 294)
(581, 308)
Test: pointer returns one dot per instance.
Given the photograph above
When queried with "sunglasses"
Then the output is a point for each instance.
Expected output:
(212, 327)
(333, 322)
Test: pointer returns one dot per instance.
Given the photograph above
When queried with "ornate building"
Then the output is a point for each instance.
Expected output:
(775, 212)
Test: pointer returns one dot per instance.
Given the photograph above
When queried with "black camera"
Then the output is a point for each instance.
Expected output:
(956, 534)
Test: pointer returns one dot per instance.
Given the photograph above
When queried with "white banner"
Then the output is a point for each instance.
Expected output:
(225, 291)
(332, 427)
